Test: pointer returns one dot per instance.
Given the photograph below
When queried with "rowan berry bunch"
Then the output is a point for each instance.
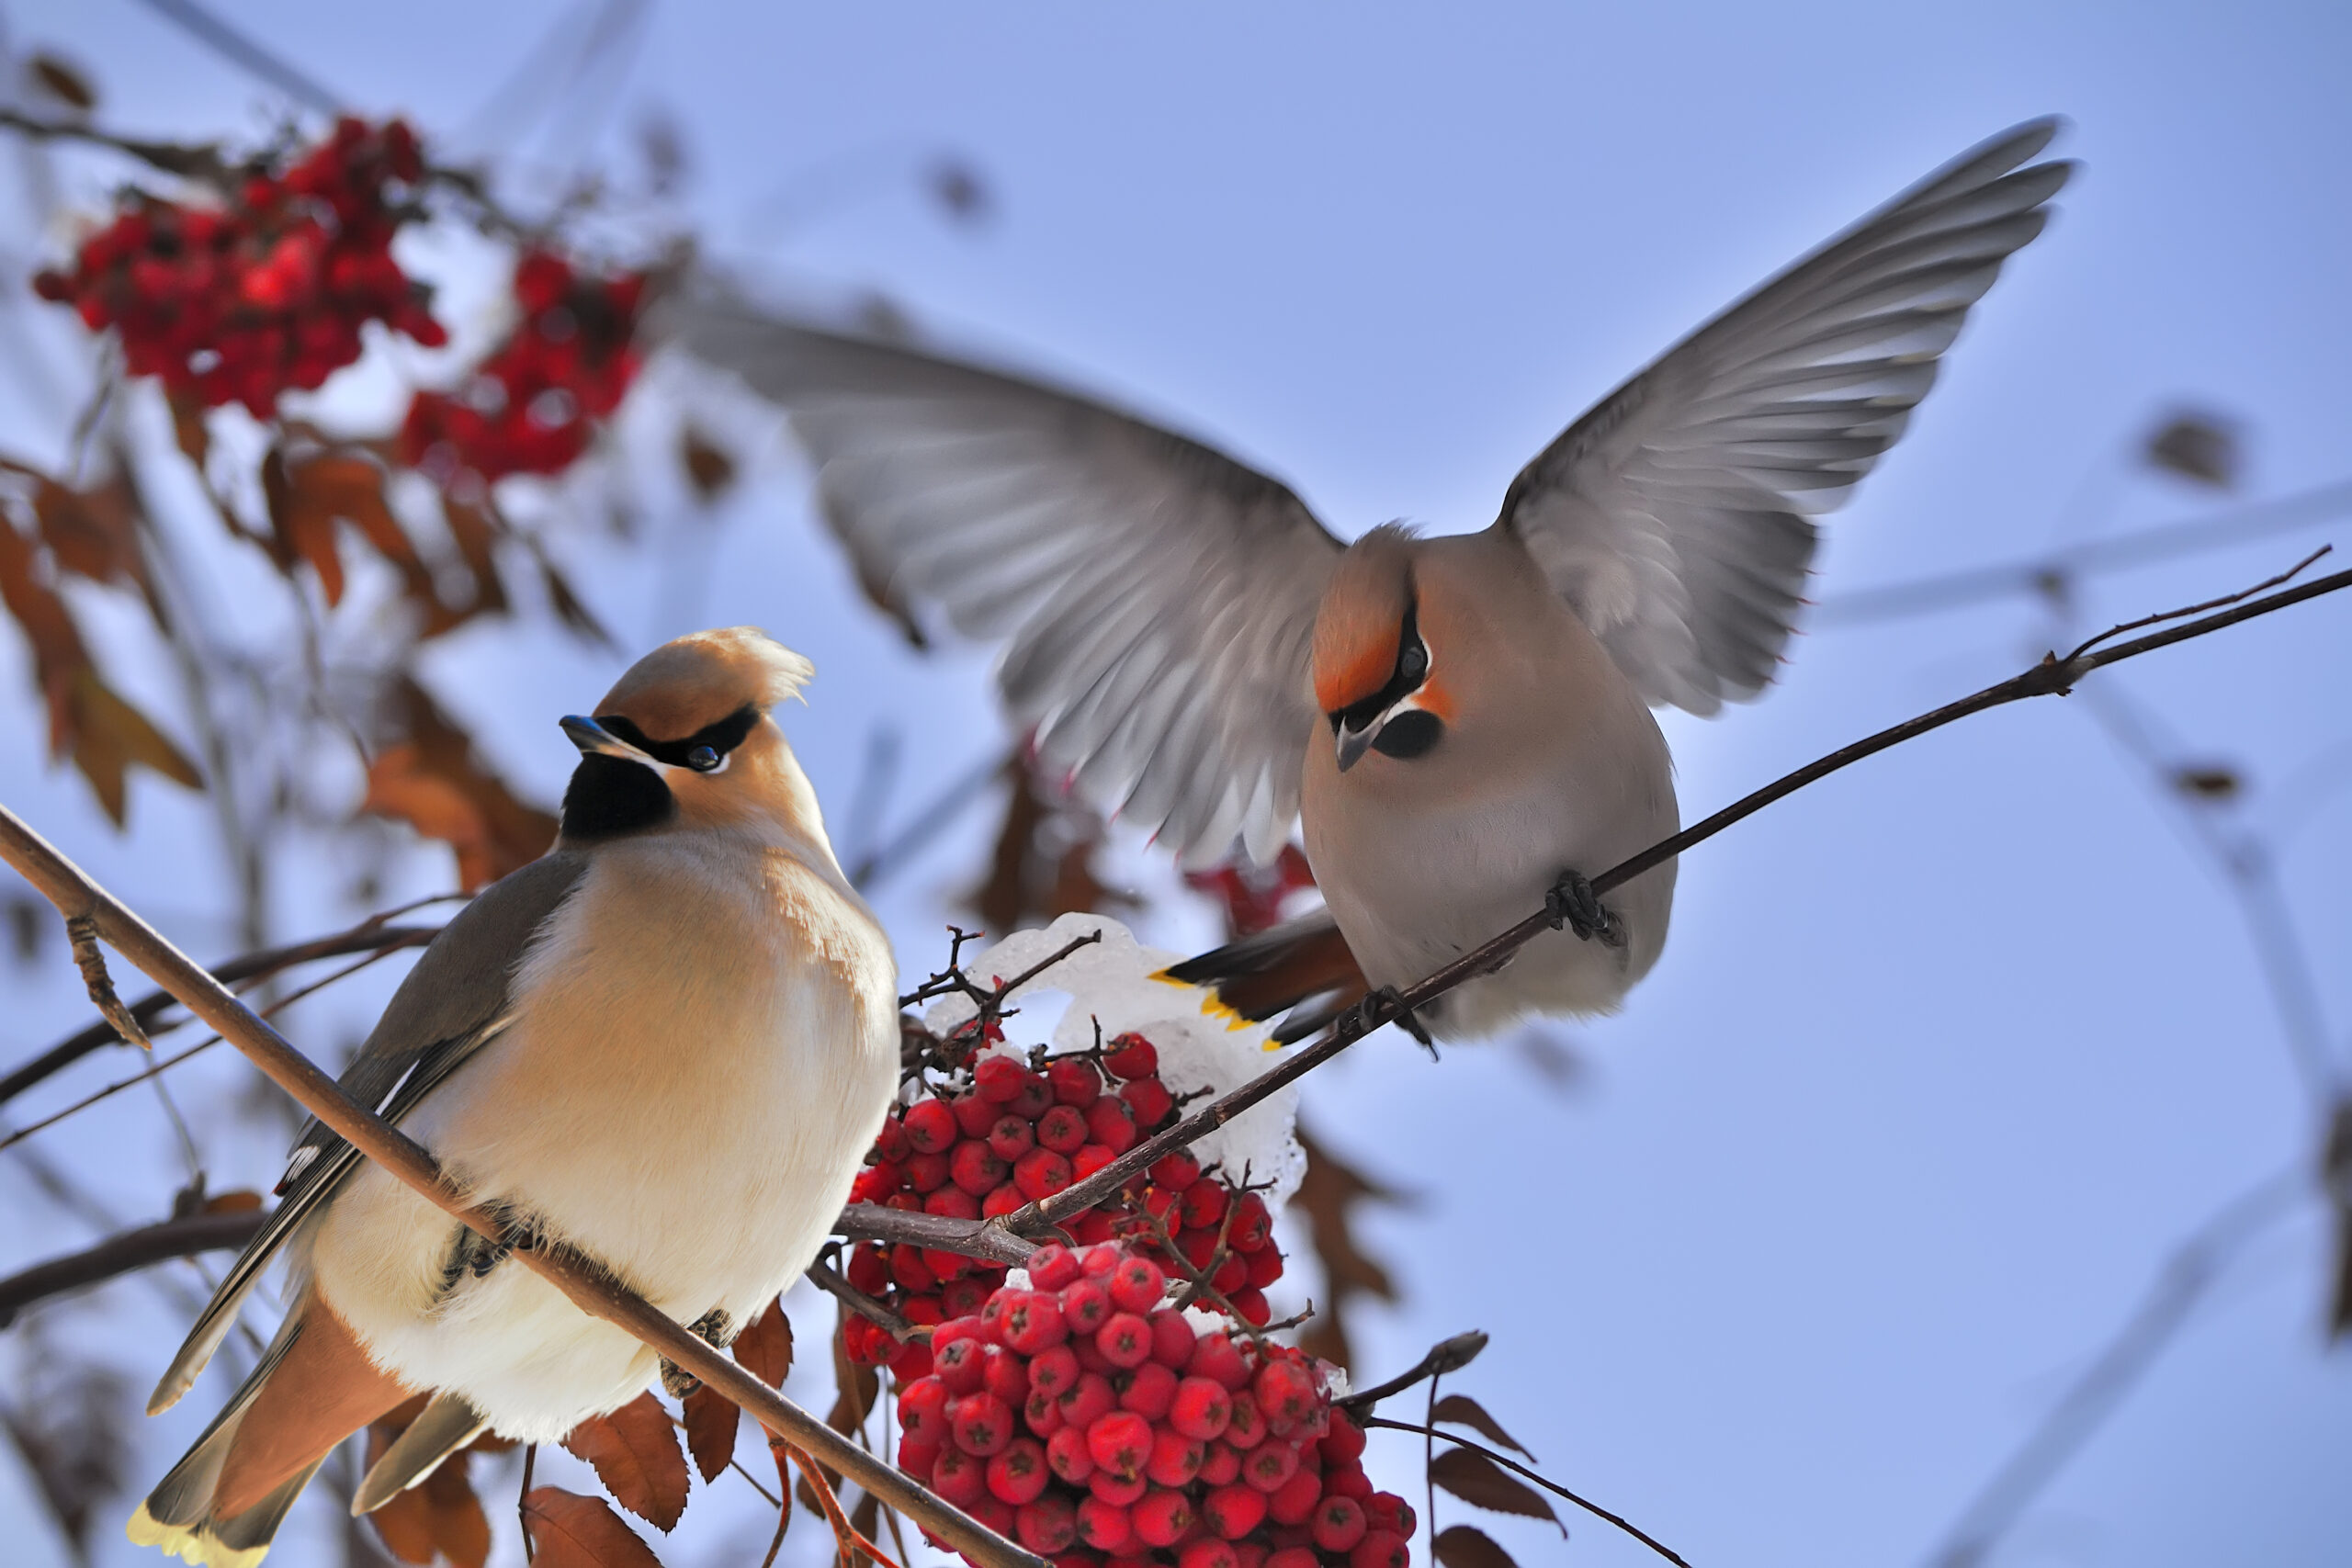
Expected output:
(1095, 1424)
(532, 406)
(1002, 1134)
(269, 290)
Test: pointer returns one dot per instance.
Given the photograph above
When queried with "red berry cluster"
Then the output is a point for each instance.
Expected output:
(236, 304)
(1096, 1427)
(1014, 1133)
(531, 407)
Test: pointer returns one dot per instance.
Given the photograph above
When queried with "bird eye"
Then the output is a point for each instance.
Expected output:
(703, 759)
(1413, 663)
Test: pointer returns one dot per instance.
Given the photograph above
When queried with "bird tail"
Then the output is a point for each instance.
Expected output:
(178, 1515)
(1280, 969)
(445, 1426)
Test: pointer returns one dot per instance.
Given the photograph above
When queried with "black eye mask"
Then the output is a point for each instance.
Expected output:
(720, 738)
(1412, 669)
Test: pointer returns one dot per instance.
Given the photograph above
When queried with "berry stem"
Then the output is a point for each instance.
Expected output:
(1589, 1507)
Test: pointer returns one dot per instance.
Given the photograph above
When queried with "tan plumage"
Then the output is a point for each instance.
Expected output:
(1195, 651)
(667, 1044)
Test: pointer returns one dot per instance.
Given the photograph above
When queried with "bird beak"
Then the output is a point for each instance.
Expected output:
(594, 739)
(1353, 743)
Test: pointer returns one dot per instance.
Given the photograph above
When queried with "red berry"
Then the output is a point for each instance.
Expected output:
(1086, 1306)
(1041, 1173)
(975, 1168)
(1053, 1369)
(1104, 1526)
(1036, 1097)
(1291, 1557)
(1119, 1443)
(1223, 1466)
(1247, 1426)
(1213, 1357)
(998, 1079)
(1387, 1511)
(866, 1269)
(1112, 1123)
(1040, 1414)
(1124, 1341)
(1034, 1324)
(1201, 1408)
(1062, 1130)
(1380, 1549)
(974, 1115)
(1052, 1266)
(1151, 1390)
(1122, 1489)
(931, 1127)
(1175, 1461)
(1067, 1454)
(1265, 1267)
(1086, 1401)
(964, 1297)
(1172, 1339)
(1233, 1511)
(1137, 1285)
(981, 1423)
(1162, 1518)
(890, 1143)
(1005, 1198)
(1006, 1375)
(1205, 1203)
(1294, 1501)
(1207, 1552)
(1284, 1391)
(993, 1511)
(958, 1364)
(1011, 1137)
(922, 1410)
(1074, 1081)
(1252, 1305)
(907, 1270)
(918, 1458)
(1047, 1525)
(1338, 1524)
(1265, 1467)
(1252, 1224)
(1149, 1099)
(1349, 1483)
(1090, 1158)
(1132, 1057)
(1018, 1474)
(959, 1478)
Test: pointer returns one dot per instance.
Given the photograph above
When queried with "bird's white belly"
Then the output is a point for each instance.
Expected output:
(703, 1163)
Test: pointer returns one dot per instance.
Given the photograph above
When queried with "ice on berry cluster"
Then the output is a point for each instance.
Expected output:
(1116, 984)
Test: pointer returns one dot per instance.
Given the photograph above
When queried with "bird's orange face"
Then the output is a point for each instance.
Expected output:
(1374, 678)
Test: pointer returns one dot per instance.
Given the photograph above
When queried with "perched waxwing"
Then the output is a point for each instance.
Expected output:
(1464, 723)
(667, 1045)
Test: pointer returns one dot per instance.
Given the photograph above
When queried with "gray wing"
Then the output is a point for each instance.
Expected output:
(1159, 597)
(1675, 517)
(452, 1003)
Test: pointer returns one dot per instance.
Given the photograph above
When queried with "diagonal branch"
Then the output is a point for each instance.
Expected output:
(589, 1287)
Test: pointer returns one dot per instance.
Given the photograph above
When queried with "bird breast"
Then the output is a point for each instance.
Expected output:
(704, 1043)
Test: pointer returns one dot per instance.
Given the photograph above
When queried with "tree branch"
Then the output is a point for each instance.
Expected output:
(580, 1279)
(122, 1253)
(1551, 1487)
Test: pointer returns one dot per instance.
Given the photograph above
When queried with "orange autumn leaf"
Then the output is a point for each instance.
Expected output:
(309, 496)
(636, 1454)
(764, 1347)
(110, 735)
(712, 1421)
(440, 1517)
(432, 779)
(572, 1531)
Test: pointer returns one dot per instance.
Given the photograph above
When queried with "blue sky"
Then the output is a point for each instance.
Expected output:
(1945, 1054)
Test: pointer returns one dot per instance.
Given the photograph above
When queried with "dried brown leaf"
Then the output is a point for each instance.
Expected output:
(572, 1531)
(1466, 1546)
(1461, 1410)
(242, 1200)
(92, 532)
(474, 530)
(636, 1454)
(110, 735)
(430, 777)
(439, 1517)
(59, 653)
(67, 84)
(2203, 448)
(190, 429)
(1328, 1194)
(1477, 1480)
(764, 1347)
(710, 467)
(712, 1421)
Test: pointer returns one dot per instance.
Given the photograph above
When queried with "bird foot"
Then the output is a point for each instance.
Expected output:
(1572, 904)
(713, 1328)
(1368, 1015)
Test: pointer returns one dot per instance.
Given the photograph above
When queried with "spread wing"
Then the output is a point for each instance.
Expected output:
(453, 1003)
(1157, 596)
(1675, 517)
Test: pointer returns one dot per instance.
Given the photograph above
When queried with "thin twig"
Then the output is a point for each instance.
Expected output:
(126, 1253)
(1445, 1356)
(1589, 1507)
(828, 1278)
(2243, 594)
(523, 1500)
(588, 1284)
(84, 932)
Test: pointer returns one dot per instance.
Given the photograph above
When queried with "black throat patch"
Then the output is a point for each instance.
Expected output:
(612, 796)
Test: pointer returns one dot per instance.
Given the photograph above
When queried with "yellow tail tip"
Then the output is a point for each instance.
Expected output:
(189, 1543)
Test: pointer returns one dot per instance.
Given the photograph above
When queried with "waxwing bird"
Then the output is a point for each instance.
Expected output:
(667, 1045)
(1463, 723)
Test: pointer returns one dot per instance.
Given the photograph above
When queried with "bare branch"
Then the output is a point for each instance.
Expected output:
(1595, 1509)
(828, 1278)
(588, 1285)
(83, 932)
(125, 1254)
